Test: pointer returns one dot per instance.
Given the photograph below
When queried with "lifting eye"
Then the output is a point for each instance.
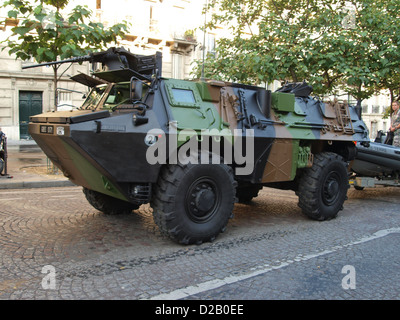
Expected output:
(138, 119)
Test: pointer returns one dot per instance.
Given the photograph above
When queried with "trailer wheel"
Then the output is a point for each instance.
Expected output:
(192, 203)
(323, 187)
(107, 204)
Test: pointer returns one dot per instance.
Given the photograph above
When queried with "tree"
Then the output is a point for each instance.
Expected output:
(47, 34)
(279, 40)
(332, 44)
(376, 48)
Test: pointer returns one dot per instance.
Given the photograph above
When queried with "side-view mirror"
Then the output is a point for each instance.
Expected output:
(136, 90)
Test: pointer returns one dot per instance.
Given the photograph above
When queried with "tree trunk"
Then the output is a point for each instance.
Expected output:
(293, 74)
(358, 108)
(55, 68)
(391, 95)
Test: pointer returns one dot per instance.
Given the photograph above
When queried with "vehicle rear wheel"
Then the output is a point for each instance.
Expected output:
(107, 204)
(192, 203)
(323, 187)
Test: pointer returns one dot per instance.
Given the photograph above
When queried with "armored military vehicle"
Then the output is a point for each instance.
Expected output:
(193, 148)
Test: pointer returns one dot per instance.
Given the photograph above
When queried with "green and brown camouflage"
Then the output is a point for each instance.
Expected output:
(131, 109)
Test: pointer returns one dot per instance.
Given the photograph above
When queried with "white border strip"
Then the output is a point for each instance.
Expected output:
(213, 284)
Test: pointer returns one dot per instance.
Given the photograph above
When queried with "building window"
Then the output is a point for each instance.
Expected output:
(374, 129)
(153, 22)
(178, 66)
(211, 44)
(375, 109)
(64, 99)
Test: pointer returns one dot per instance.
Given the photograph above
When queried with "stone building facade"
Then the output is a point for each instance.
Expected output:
(168, 26)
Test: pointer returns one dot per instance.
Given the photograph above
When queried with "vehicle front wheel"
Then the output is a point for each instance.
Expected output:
(192, 203)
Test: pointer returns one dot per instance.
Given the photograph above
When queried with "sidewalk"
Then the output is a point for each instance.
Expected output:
(27, 167)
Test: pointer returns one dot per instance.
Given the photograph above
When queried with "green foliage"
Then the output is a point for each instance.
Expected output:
(321, 41)
(387, 112)
(45, 34)
(376, 54)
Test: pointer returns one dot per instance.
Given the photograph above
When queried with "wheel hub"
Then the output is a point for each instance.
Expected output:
(331, 189)
(205, 199)
(201, 200)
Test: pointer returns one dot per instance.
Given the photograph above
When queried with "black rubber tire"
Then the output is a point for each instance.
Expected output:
(192, 203)
(323, 187)
(245, 193)
(107, 204)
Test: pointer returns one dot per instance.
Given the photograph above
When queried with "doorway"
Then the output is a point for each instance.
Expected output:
(30, 103)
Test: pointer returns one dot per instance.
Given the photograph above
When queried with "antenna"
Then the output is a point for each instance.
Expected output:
(204, 40)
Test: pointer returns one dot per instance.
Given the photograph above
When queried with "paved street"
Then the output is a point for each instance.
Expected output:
(54, 245)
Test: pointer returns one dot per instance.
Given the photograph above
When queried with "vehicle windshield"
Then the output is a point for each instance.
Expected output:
(94, 97)
(119, 94)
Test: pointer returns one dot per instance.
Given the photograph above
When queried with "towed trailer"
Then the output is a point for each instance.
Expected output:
(360, 183)
(375, 164)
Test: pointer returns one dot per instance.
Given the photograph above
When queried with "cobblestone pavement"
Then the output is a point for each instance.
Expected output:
(54, 245)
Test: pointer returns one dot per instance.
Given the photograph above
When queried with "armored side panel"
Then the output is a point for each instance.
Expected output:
(287, 129)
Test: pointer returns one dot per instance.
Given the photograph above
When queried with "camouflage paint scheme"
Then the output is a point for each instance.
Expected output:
(103, 147)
